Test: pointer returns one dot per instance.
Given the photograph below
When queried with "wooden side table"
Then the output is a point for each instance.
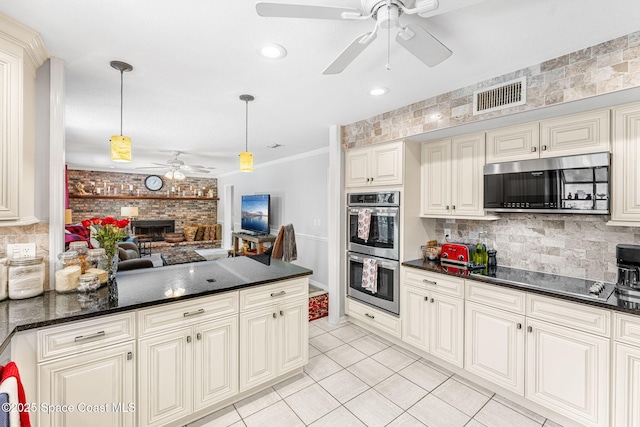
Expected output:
(256, 240)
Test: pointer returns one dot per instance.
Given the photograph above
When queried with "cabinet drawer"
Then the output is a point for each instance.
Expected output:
(626, 328)
(572, 315)
(262, 296)
(85, 335)
(433, 282)
(168, 317)
(376, 318)
(496, 296)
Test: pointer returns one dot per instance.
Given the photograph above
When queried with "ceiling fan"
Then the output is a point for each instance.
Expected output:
(386, 13)
(176, 167)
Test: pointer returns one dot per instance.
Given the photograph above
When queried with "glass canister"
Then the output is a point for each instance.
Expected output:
(68, 271)
(98, 263)
(82, 248)
(4, 276)
(88, 282)
(26, 277)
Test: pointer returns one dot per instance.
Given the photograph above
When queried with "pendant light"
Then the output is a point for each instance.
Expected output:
(246, 158)
(121, 145)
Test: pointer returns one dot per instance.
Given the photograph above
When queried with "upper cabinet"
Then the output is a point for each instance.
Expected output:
(563, 136)
(21, 53)
(375, 165)
(452, 183)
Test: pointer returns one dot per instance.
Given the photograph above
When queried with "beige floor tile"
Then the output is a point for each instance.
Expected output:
(238, 424)
(474, 386)
(405, 420)
(401, 391)
(320, 367)
(393, 359)
(407, 352)
(496, 414)
(325, 342)
(474, 423)
(221, 418)
(345, 355)
(461, 396)
(257, 402)
(437, 367)
(423, 375)
(293, 384)
(370, 371)
(278, 414)
(311, 403)
(344, 386)
(520, 409)
(373, 409)
(324, 324)
(369, 344)
(314, 330)
(437, 413)
(313, 352)
(340, 417)
(348, 333)
(550, 423)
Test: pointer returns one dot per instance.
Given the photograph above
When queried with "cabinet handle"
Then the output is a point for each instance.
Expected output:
(432, 300)
(281, 313)
(431, 282)
(447, 207)
(544, 148)
(277, 294)
(129, 355)
(188, 338)
(193, 313)
(275, 315)
(519, 325)
(530, 328)
(198, 336)
(369, 316)
(88, 337)
(454, 207)
(534, 149)
(426, 299)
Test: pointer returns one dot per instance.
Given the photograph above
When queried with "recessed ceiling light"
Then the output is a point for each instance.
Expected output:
(272, 51)
(379, 91)
(275, 145)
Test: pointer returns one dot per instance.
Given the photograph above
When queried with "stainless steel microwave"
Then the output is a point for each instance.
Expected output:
(570, 184)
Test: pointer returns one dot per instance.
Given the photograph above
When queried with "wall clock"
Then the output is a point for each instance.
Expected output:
(153, 182)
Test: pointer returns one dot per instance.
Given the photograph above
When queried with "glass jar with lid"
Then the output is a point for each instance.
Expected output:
(68, 271)
(82, 248)
(4, 276)
(98, 263)
(26, 277)
(88, 282)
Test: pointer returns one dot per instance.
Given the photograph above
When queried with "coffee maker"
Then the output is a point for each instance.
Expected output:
(628, 259)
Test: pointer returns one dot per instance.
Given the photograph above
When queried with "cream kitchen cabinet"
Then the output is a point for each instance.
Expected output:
(626, 371)
(379, 164)
(625, 182)
(561, 136)
(452, 177)
(372, 318)
(274, 331)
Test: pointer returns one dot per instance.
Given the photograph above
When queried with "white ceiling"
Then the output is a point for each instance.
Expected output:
(192, 59)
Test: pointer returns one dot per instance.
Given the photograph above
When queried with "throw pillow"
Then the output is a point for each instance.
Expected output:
(190, 232)
(200, 233)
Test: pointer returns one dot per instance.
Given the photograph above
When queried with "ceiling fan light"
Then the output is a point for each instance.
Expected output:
(178, 175)
(272, 51)
(120, 148)
(246, 161)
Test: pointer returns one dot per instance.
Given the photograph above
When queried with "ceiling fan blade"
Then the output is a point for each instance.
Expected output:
(352, 51)
(153, 167)
(279, 10)
(422, 45)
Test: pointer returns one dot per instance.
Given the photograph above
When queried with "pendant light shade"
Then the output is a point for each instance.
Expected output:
(246, 157)
(121, 145)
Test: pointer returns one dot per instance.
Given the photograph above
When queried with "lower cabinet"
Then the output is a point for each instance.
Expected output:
(626, 371)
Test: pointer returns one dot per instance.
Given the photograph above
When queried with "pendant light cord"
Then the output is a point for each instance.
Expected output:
(121, 97)
(246, 128)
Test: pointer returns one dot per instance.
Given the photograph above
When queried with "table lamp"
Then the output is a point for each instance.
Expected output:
(129, 212)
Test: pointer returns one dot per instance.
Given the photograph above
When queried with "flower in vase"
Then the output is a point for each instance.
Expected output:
(108, 231)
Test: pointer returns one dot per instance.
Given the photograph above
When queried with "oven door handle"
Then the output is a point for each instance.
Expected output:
(391, 265)
(392, 212)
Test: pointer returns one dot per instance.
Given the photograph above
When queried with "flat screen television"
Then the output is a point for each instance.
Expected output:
(255, 213)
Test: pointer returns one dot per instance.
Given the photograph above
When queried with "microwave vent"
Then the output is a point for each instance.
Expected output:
(498, 97)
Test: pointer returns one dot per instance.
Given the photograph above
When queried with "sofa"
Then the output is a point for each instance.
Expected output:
(129, 257)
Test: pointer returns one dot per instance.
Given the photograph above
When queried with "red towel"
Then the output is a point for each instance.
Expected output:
(11, 370)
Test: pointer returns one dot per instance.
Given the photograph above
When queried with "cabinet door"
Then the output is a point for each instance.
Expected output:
(568, 371)
(257, 347)
(446, 329)
(386, 164)
(216, 361)
(357, 167)
(436, 178)
(626, 386)
(293, 335)
(414, 304)
(99, 384)
(495, 346)
(576, 134)
(625, 191)
(467, 179)
(165, 377)
(513, 143)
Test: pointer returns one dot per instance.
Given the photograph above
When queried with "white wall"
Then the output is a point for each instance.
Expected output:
(298, 187)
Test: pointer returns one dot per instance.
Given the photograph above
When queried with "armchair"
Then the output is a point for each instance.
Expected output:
(129, 257)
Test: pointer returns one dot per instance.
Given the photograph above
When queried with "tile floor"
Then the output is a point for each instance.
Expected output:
(355, 378)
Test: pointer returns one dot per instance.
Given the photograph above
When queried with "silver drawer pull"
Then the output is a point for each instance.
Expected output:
(278, 294)
(129, 355)
(275, 315)
(529, 328)
(281, 313)
(431, 282)
(198, 336)
(193, 313)
(544, 147)
(369, 316)
(88, 337)
(534, 149)
(519, 325)
(188, 338)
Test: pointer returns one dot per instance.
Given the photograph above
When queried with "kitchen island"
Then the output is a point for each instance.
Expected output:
(161, 346)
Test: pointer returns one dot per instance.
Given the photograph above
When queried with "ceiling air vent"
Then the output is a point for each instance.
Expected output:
(503, 95)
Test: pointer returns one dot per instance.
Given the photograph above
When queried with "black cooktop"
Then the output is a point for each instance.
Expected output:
(580, 288)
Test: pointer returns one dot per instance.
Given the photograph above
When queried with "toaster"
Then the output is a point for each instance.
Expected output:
(457, 253)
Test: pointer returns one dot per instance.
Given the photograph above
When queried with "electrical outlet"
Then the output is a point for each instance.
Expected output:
(21, 250)
(447, 233)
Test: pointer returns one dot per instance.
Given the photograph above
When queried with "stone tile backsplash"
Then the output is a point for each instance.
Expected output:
(34, 233)
(582, 246)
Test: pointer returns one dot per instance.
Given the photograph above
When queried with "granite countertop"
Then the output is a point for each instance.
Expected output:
(143, 288)
(614, 302)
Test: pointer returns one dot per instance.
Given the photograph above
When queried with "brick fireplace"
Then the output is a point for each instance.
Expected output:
(156, 229)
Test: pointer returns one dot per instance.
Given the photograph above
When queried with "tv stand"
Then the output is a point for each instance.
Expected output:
(255, 239)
